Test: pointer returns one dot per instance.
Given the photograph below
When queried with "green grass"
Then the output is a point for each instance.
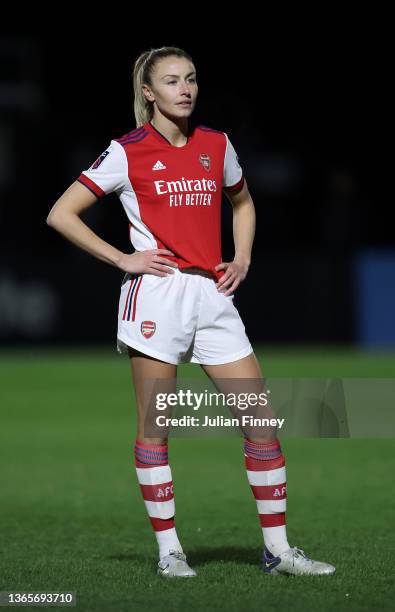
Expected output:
(72, 515)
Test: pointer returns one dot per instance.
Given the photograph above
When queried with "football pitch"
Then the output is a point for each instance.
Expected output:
(73, 517)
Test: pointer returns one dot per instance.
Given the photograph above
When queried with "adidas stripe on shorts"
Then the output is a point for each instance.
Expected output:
(180, 318)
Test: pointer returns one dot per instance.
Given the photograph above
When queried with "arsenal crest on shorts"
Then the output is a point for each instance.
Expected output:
(148, 328)
(205, 161)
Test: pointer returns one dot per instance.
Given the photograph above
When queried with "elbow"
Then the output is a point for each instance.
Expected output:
(55, 219)
(50, 220)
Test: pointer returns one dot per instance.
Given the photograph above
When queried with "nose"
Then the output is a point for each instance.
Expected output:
(185, 90)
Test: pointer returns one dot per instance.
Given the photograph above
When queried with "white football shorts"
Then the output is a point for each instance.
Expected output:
(180, 318)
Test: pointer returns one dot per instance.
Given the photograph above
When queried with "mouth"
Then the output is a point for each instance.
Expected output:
(184, 104)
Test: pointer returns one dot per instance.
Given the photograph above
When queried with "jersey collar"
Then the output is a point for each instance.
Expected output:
(159, 136)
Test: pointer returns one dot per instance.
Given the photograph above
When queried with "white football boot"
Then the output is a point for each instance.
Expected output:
(175, 564)
(294, 561)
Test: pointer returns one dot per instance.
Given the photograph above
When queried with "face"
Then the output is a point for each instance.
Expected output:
(173, 83)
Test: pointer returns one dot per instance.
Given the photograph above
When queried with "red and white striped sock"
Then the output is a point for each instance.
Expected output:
(265, 465)
(156, 484)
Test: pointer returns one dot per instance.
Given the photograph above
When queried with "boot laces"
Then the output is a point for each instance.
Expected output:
(298, 552)
(178, 555)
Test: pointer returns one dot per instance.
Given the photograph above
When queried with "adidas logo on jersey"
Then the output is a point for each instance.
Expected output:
(158, 166)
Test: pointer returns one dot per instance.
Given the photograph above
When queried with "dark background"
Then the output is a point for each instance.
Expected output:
(310, 127)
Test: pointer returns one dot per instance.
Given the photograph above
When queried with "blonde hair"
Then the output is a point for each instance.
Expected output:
(142, 72)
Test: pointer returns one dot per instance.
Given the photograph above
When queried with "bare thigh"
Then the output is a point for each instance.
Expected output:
(247, 367)
(145, 371)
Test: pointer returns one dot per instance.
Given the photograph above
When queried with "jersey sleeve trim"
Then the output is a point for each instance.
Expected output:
(91, 185)
(233, 178)
(236, 187)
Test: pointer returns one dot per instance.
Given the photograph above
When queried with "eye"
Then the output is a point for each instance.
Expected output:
(190, 79)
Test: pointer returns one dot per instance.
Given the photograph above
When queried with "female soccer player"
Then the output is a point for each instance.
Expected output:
(176, 299)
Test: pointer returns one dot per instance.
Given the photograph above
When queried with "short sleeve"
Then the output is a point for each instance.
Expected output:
(108, 173)
(233, 178)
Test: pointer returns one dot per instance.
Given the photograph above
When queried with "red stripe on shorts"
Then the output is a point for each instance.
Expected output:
(127, 298)
(135, 298)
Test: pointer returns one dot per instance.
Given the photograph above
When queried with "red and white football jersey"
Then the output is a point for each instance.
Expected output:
(171, 195)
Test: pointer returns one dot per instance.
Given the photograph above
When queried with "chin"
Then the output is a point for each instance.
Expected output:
(182, 112)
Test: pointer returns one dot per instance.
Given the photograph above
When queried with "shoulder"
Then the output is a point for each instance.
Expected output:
(217, 136)
(133, 137)
(205, 129)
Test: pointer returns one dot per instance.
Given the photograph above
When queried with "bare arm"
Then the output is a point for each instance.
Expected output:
(64, 218)
(244, 223)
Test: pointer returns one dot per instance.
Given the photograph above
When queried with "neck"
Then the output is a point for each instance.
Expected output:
(175, 130)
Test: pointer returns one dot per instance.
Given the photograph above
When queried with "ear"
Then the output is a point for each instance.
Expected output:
(148, 93)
